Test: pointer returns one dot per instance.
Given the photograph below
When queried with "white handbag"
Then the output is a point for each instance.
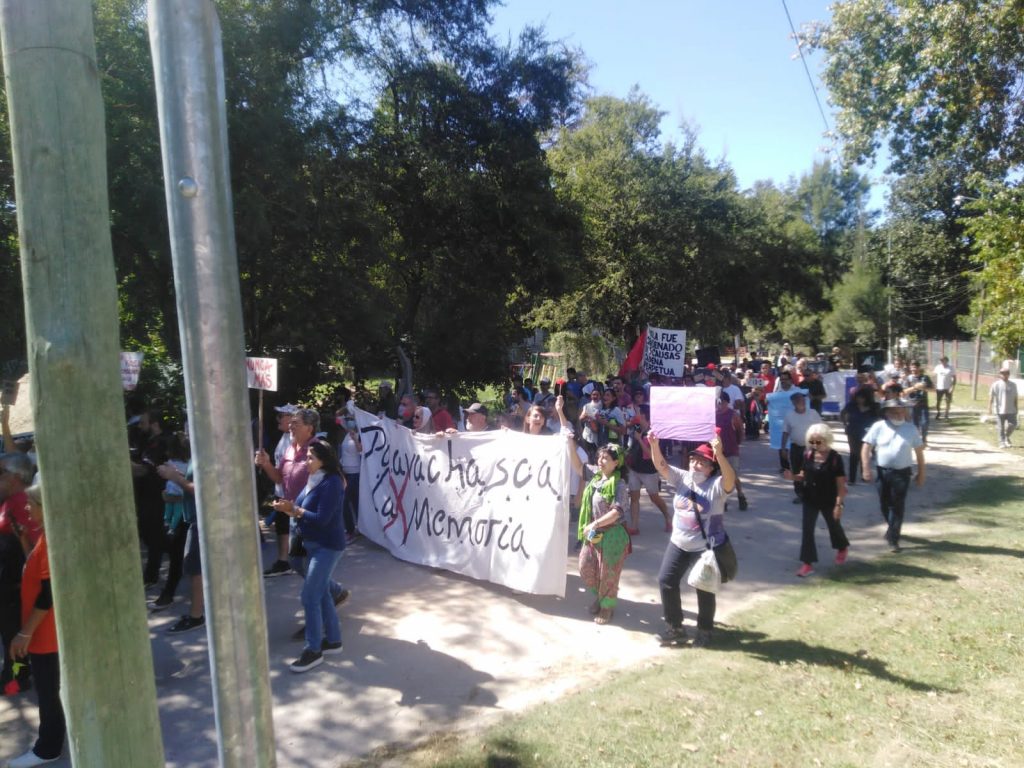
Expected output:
(704, 575)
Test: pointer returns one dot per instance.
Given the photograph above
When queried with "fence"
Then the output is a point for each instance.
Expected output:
(961, 359)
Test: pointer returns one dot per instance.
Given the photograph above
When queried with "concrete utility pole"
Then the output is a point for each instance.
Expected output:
(59, 150)
(188, 64)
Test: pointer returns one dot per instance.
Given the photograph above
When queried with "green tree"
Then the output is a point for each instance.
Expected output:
(931, 80)
(463, 183)
(998, 232)
(859, 313)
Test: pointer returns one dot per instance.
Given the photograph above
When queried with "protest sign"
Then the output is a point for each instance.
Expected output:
(664, 352)
(779, 404)
(489, 505)
(131, 365)
(684, 413)
(261, 373)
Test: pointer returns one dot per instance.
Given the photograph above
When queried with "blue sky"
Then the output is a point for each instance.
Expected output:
(725, 67)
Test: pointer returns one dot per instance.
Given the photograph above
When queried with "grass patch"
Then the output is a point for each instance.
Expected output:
(968, 422)
(911, 660)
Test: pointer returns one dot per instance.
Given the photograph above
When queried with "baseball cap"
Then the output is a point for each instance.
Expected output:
(286, 408)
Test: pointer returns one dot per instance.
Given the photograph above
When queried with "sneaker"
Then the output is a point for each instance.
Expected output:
(341, 598)
(672, 636)
(186, 623)
(307, 661)
(160, 603)
(841, 555)
(805, 570)
(331, 649)
(702, 639)
(743, 503)
(148, 584)
(30, 759)
(279, 568)
(895, 548)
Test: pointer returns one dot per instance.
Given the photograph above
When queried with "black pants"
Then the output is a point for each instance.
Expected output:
(350, 510)
(796, 465)
(176, 556)
(837, 537)
(674, 565)
(893, 485)
(856, 442)
(46, 669)
(151, 531)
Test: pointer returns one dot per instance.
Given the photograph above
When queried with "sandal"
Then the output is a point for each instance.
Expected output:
(604, 616)
(595, 607)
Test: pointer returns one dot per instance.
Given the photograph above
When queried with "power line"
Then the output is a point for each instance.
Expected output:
(810, 79)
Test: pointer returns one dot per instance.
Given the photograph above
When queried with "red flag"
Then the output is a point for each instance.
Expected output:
(635, 357)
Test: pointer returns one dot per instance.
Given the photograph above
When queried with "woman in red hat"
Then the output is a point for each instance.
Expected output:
(699, 519)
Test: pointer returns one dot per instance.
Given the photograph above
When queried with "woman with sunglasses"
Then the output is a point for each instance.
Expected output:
(423, 420)
(698, 520)
(602, 529)
(824, 484)
(318, 512)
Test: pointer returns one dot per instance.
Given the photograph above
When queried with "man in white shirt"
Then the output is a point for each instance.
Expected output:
(945, 380)
(795, 430)
(730, 387)
(1002, 400)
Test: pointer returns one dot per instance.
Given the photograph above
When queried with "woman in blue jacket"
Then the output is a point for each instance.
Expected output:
(318, 512)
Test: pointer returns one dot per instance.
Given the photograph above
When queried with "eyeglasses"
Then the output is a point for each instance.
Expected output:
(815, 442)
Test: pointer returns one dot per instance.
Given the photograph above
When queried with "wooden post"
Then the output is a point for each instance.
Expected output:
(59, 150)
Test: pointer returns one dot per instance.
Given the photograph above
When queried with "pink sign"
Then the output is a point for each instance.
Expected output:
(684, 413)
(261, 373)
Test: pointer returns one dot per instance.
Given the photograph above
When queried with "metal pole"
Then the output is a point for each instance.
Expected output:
(977, 346)
(188, 64)
(67, 264)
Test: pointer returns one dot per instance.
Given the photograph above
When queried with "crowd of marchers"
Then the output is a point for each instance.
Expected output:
(308, 471)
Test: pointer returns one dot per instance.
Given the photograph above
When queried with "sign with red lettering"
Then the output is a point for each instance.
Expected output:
(261, 373)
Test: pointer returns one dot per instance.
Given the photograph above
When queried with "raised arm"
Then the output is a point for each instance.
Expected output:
(660, 462)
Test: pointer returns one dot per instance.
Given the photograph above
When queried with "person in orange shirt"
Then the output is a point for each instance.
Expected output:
(37, 640)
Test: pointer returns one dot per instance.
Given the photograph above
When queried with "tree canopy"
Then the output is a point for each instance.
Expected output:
(401, 179)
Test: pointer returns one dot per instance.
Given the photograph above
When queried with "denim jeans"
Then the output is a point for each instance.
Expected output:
(921, 420)
(300, 564)
(893, 485)
(674, 566)
(321, 617)
(1007, 423)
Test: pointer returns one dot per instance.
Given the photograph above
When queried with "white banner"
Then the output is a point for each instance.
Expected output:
(489, 505)
(665, 352)
(131, 365)
(261, 373)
